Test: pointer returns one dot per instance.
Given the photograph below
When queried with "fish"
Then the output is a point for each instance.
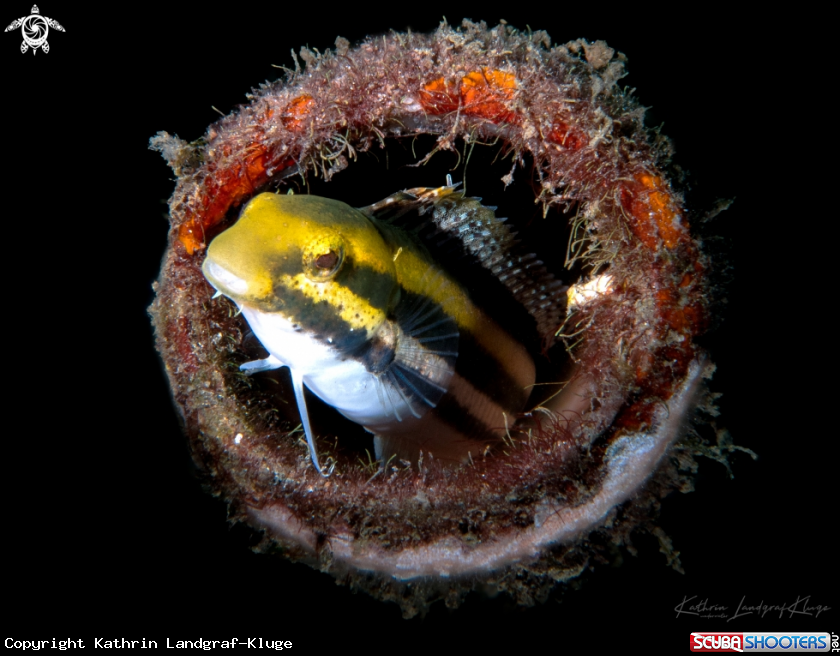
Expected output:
(416, 317)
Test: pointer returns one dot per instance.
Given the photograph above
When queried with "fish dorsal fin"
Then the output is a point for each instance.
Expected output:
(448, 221)
(414, 202)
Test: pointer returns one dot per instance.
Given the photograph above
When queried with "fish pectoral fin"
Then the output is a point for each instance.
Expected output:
(297, 382)
(256, 366)
(426, 347)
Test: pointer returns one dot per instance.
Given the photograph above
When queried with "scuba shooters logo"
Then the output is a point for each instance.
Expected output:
(35, 29)
(760, 642)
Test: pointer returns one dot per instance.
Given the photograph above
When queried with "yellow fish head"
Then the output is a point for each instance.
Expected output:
(317, 262)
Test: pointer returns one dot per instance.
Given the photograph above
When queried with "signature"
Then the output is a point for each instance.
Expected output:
(703, 608)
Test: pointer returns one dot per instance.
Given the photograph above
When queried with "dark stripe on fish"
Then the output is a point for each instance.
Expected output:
(494, 300)
(320, 320)
(365, 282)
(477, 365)
(485, 238)
(487, 375)
(461, 419)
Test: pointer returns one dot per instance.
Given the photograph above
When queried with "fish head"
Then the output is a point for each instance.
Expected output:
(317, 264)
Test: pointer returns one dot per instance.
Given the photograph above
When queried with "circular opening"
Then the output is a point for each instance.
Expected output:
(638, 366)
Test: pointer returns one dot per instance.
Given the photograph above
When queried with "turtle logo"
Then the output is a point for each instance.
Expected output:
(35, 29)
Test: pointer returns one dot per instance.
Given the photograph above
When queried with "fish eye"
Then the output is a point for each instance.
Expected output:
(327, 261)
(322, 258)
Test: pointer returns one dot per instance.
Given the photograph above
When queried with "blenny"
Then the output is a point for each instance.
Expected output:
(370, 310)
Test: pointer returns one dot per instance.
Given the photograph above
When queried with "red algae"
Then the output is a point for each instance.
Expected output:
(485, 94)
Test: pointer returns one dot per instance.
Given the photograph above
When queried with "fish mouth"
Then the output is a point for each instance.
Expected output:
(222, 279)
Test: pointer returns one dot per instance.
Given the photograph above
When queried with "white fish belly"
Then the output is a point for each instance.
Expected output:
(344, 384)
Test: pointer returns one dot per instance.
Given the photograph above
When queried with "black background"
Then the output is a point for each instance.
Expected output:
(108, 532)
